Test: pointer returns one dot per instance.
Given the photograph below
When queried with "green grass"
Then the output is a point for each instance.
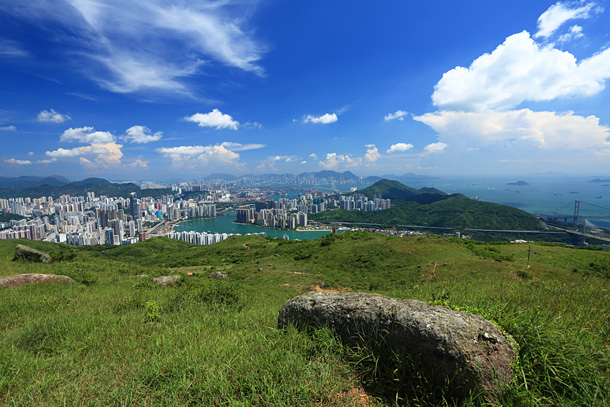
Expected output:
(112, 340)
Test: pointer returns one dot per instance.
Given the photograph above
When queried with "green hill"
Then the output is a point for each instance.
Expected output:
(114, 340)
(431, 207)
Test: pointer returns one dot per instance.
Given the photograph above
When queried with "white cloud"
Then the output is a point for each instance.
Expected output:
(574, 34)
(372, 153)
(241, 147)
(153, 44)
(545, 130)
(192, 156)
(10, 48)
(52, 160)
(86, 135)
(141, 134)
(559, 13)
(105, 155)
(520, 70)
(8, 128)
(334, 160)
(400, 115)
(324, 119)
(215, 119)
(18, 162)
(313, 155)
(399, 147)
(303, 162)
(51, 116)
(435, 147)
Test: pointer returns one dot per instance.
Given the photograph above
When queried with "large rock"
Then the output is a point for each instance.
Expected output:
(218, 275)
(467, 349)
(165, 281)
(23, 279)
(27, 253)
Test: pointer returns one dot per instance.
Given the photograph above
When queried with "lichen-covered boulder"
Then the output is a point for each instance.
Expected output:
(27, 253)
(165, 281)
(218, 276)
(468, 350)
(24, 279)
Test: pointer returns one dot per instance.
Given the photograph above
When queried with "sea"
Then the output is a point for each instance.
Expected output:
(537, 194)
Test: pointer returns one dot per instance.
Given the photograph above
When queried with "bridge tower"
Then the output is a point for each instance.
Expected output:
(576, 212)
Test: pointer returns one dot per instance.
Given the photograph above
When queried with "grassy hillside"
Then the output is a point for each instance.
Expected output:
(112, 340)
(455, 211)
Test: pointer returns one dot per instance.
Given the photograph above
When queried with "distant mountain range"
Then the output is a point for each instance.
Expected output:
(32, 181)
(55, 186)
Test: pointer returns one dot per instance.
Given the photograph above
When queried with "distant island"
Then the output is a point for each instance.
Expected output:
(518, 183)
(600, 180)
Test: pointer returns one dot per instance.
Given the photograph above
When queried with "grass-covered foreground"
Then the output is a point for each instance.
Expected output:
(112, 340)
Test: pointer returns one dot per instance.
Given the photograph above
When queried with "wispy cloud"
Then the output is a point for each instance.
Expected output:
(148, 45)
(8, 128)
(560, 12)
(12, 49)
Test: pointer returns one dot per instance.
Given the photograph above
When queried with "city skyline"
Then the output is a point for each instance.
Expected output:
(164, 90)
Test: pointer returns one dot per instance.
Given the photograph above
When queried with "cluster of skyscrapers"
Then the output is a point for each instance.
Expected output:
(202, 238)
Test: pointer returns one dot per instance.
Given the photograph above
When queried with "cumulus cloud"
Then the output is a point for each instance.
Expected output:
(104, 155)
(546, 130)
(51, 116)
(334, 160)
(185, 37)
(138, 163)
(399, 147)
(324, 119)
(86, 135)
(574, 34)
(141, 135)
(372, 153)
(8, 128)
(400, 115)
(215, 119)
(18, 162)
(559, 13)
(313, 155)
(520, 70)
(201, 155)
(435, 147)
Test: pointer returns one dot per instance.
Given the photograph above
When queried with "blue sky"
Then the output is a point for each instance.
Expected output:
(151, 89)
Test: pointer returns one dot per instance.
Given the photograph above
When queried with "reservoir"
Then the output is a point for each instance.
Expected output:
(224, 224)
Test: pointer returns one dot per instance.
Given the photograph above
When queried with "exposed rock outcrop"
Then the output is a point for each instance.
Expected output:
(218, 275)
(23, 279)
(165, 281)
(466, 349)
(27, 253)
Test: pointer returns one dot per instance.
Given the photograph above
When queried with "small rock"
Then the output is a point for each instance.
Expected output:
(24, 279)
(260, 269)
(165, 281)
(139, 276)
(276, 255)
(27, 253)
(218, 276)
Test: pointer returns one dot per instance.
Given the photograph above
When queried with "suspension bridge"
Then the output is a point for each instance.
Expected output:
(580, 220)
